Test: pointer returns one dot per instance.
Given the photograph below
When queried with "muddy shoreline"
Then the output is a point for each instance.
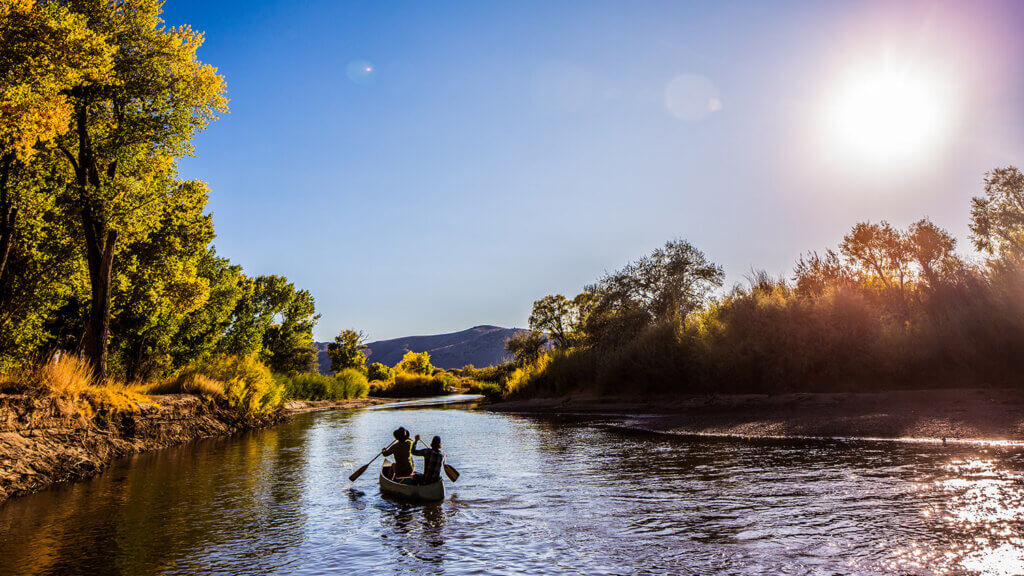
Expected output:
(954, 414)
(45, 441)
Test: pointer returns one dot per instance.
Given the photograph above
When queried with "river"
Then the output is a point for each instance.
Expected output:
(536, 496)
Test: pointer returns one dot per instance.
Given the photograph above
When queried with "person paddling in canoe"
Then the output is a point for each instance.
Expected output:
(401, 449)
(433, 460)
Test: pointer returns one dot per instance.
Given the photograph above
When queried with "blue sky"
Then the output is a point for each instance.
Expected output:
(497, 152)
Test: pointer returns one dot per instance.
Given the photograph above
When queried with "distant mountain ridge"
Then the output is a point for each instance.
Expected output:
(479, 346)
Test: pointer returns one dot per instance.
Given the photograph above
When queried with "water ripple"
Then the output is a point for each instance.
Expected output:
(537, 496)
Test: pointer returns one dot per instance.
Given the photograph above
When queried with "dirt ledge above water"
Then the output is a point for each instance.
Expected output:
(955, 414)
(46, 441)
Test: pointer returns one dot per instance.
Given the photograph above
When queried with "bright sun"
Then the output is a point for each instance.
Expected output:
(888, 117)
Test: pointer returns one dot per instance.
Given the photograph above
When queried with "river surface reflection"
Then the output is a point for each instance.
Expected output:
(536, 496)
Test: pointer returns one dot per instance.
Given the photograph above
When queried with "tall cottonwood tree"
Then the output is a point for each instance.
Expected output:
(45, 50)
(126, 134)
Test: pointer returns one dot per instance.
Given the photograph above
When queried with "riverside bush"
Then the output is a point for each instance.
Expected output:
(349, 383)
(248, 386)
(414, 385)
(769, 338)
(378, 371)
(491, 390)
(415, 363)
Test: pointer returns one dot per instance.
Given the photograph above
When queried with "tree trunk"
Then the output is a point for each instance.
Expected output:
(97, 331)
(100, 242)
(8, 215)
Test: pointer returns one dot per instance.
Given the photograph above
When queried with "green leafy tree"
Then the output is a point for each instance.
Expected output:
(415, 363)
(45, 50)
(879, 254)
(997, 218)
(45, 287)
(526, 347)
(261, 300)
(159, 283)
(379, 371)
(931, 248)
(202, 332)
(347, 351)
(561, 318)
(125, 136)
(663, 286)
(288, 343)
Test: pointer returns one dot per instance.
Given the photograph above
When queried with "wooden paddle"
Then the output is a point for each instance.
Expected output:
(449, 470)
(359, 472)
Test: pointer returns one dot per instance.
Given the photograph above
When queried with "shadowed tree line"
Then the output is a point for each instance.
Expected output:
(105, 251)
(888, 308)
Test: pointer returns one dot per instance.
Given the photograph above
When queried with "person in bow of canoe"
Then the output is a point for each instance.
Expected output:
(401, 449)
(433, 460)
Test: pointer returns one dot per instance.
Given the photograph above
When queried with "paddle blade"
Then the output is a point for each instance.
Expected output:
(358, 473)
(451, 472)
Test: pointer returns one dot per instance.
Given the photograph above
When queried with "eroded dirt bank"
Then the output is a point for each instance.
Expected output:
(956, 414)
(44, 440)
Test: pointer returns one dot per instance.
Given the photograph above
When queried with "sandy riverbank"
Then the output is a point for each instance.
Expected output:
(957, 414)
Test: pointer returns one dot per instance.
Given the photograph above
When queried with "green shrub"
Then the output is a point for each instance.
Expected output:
(378, 388)
(415, 363)
(491, 390)
(349, 383)
(489, 373)
(378, 371)
(414, 385)
(248, 385)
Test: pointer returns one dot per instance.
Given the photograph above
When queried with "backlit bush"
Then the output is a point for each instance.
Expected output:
(247, 383)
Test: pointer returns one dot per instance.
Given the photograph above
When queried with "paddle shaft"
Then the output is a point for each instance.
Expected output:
(359, 472)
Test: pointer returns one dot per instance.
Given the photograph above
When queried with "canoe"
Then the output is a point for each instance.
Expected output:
(425, 493)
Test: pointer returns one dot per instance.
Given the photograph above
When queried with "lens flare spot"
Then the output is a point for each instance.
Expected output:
(691, 97)
(360, 71)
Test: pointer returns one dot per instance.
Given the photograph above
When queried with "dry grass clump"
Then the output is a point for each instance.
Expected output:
(190, 383)
(71, 377)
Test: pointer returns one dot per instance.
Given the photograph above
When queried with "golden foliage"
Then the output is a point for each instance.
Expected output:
(71, 377)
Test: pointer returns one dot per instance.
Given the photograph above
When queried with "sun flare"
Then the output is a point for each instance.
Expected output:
(888, 116)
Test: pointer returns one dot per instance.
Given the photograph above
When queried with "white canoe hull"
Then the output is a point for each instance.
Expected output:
(426, 493)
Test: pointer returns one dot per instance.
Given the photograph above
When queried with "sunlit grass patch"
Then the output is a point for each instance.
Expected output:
(71, 377)
(243, 382)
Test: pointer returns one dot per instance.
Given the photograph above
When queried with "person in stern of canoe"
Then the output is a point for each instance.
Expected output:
(401, 449)
(433, 460)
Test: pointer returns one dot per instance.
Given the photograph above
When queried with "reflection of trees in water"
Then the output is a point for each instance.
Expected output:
(178, 500)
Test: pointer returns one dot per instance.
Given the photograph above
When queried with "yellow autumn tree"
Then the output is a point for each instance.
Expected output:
(126, 135)
(45, 50)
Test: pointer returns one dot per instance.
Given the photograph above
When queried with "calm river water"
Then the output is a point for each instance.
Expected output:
(536, 496)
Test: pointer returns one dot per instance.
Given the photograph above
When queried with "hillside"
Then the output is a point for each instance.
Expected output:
(479, 346)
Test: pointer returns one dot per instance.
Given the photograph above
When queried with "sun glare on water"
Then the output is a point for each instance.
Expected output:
(888, 116)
